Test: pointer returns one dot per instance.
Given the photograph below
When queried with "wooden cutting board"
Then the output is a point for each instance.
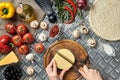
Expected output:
(78, 51)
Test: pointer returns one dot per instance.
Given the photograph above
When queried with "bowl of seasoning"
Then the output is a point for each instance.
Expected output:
(54, 31)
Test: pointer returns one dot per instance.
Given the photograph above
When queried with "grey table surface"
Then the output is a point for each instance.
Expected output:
(108, 66)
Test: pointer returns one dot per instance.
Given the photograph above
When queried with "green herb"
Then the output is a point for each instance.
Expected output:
(62, 14)
(79, 13)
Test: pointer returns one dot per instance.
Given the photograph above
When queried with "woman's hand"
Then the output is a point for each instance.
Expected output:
(52, 71)
(90, 74)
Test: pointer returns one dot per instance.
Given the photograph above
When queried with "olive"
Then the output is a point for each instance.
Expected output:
(52, 18)
(12, 72)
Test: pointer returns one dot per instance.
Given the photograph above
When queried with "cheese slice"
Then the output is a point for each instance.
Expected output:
(9, 59)
(64, 59)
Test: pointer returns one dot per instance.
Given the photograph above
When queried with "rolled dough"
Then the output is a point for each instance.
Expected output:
(104, 18)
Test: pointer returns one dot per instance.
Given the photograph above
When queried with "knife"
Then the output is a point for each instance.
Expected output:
(73, 65)
(46, 7)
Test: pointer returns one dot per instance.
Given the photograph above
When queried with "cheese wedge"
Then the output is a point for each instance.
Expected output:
(9, 59)
(64, 59)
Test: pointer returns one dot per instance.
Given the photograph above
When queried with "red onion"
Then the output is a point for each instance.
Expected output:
(81, 4)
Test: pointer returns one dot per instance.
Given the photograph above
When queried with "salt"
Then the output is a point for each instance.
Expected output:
(109, 50)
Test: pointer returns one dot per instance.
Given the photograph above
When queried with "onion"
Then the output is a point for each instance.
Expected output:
(82, 4)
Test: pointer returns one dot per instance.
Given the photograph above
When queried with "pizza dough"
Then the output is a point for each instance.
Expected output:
(104, 19)
(64, 59)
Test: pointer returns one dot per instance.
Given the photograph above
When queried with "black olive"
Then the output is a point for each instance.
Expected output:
(13, 73)
(52, 18)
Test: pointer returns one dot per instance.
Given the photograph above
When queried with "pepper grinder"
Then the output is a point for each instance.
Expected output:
(46, 7)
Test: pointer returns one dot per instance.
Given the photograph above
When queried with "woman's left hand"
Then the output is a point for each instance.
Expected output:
(52, 71)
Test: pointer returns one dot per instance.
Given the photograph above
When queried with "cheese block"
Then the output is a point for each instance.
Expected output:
(9, 59)
(64, 59)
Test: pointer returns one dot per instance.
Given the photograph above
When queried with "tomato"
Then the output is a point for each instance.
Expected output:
(54, 31)
(23, 49)
(4, 39)
(21, 29)
(39, 48)
(10, 28)
(28, 38)
(17, 40)
(5, 48)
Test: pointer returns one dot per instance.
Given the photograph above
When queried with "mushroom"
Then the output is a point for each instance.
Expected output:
(30, 57)
(76, 33)
(34, 24)
(30, 70)
(43, 25)
(91, 42)
(84, 30)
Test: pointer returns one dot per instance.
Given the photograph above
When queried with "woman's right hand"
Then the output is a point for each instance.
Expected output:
(90, 74)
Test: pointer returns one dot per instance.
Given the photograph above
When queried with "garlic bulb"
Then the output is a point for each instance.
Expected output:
(43, 25)
(76, 33)
(91, 42)
(34, 24)
(42, 37)
(30, 70)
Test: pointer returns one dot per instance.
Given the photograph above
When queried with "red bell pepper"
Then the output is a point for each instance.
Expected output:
(73, 5)
(5, 48)
(72, 15)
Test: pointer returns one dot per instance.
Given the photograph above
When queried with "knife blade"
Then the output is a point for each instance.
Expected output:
(75, 68)
(45, 5)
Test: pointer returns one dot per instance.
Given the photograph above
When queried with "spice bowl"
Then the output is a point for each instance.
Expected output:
(54, 31)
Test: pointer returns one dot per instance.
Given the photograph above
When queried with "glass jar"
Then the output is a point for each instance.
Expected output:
(25, 12)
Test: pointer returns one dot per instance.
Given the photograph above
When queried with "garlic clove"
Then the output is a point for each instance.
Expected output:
(42, 37)
(34, 24)
(91, 42)
(43, 25)
(76, 33)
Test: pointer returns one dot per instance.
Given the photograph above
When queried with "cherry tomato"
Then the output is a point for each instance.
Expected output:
(23, 49)
(39, 48)
(21, 29)
(10, 28)
(28, 38)
(4, 39)
(17, 40)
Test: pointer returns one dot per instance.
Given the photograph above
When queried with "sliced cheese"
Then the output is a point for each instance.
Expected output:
(9, 59)
(64, 59)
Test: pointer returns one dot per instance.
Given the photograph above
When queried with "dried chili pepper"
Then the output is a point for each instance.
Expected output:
(73, 5)
(72, 15)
